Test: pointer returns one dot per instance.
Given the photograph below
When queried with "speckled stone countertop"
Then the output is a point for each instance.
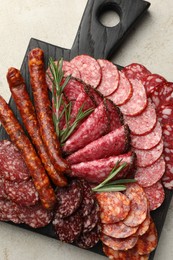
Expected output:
(56, 22)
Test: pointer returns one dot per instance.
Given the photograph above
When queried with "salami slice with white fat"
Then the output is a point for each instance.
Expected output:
(144, 123)
(96, 171)
(136, 71)
(87, 131)
(114, 143)
(148, 157)
(114, 206)
(124, 91)
(89, 239)
(148, 141)
(167, 178)
(22, 193)
(2, 190)
(165, 115)
(155, 195)
(163, 95)
(89, 69)
(138, 207)
(152, 82)
(138, 101)
(118, 230)
(13, 167)
(9, 211)
(91, 220)
(119, 243)
(150, 175)
(110, 77)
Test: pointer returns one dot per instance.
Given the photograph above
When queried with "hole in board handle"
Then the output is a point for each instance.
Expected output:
(109, 15)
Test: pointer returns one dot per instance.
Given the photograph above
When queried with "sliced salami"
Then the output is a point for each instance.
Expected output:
(22, 193)
(95, 95)
(89, 69)
(68, 229)
(96, 171)
(87, 131)
(168, 176)
(148, 141)
(163, 95)
(144, 123)
(13, 167)
(136, 71)
(168, 135)
(148, 242)
(89, 239)
(73, 88)
(115, 115)
(2, 190)
(69, 199)
(35, 216)
(114, 143)
(148, 157)
(9, 211)
(119, 243)
(155, 195)
(138, 101)
(139, 205)
(165, 115)
(110, 77)
(143, 228)
(88, 199)
(91, 220)
(124, 91)
(152, 82)
(114, 206)
(118, 230)
(150, 175)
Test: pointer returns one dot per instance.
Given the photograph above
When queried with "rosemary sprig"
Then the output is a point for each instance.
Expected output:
(57, 93)
(106, 185)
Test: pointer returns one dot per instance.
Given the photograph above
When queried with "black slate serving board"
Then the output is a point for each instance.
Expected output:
(100, 42)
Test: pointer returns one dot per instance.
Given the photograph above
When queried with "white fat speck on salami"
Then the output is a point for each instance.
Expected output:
(150, 175)
(155, 195)
(13, 167)
(118, 230)
(87, 131)
(89, 69)
(96, 171)
(114, 143)
(144, 123)
(22, 193)
(119, 243)
(9, 211)
(124, 91)
(138, 206)
(148, 141)
(110, 77)
(138, 101)
(152, 82)
(148, 157)
(136, 71)
(114, 206)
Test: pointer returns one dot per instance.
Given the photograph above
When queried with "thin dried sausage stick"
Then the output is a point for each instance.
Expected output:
(22, 142)
(27, 112)
(43, 109)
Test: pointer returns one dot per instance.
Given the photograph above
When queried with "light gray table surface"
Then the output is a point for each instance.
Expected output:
(56, 22)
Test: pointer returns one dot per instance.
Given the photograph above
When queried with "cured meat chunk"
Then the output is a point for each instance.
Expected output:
(124, 91)
(110, 77)
(13, 167)
(114, 143)
(139, 205)
(35, 216)
(118, 230)
(91, 129)
(95, 95)
(150, 175)
(9, 211)
(152, 82)
(155, 195)
(69, 199)
(96, 171)
(92, 219)
(163, 95)
(73, 88)
(119, 243)
(138, 102)
(89, 69)
(89, 239)
(22, 193)
(115, 115)
(148, 141)
(144, 123)
(136, 71)
(68, 229)
(114, 206)
(148, 157)
(148, 242)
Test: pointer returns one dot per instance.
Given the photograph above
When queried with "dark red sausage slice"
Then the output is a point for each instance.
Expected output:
(91, 220)
(89, 239)
(152, 82)
(9, 211)
(136, 71)
(2, 190)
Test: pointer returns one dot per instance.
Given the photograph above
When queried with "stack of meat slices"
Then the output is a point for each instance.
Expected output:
(19, 200)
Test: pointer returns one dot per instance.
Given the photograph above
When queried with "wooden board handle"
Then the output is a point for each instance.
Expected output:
(100, 41)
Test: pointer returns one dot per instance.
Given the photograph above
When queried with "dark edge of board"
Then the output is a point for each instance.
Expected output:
(158, 215)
